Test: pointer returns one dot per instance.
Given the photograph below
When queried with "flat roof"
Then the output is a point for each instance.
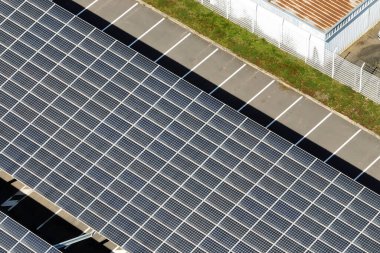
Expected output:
(322, 14)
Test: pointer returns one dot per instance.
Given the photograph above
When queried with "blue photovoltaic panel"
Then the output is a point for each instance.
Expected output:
(16, 238)
(153, 163)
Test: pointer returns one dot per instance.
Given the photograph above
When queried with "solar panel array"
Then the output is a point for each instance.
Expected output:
(150, 161)
(16, 238)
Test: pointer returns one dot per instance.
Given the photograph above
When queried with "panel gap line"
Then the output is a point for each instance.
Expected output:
(22, 34)
(326, 228)
(171, 48)
(61, 127)
(114, 144)
(303, 213)
(277, 200)
(225, 81)
(342, 146)
(117, 19)
(352, 242)
(256, 95)
(196, 66)
(237, 204)
(20, 240)
(91, 131)
(30, 92)
(367, 168)
(146, 32)
(166, 162)
(285, 111)
(13, 12)
(191, 176)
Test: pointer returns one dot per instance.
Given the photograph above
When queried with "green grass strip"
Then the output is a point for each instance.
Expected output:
(286, 67)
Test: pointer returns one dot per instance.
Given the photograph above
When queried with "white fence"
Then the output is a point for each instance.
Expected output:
(302, 40)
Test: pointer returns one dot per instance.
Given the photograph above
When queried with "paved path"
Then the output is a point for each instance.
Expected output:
(256, 94)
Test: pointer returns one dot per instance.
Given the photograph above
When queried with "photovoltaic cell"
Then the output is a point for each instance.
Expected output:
(150, 161)
(16, 238)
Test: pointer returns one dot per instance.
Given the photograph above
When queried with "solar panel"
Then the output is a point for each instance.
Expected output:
(16, 238)
(153, 163)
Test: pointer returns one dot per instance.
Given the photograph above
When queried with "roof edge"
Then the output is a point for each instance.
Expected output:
(352, 15)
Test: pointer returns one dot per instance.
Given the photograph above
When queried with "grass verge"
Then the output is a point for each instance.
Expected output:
(286, 67)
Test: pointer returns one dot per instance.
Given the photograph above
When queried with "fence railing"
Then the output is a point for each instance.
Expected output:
(246, 13)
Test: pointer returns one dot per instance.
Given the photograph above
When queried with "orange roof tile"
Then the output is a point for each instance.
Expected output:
(323, 14)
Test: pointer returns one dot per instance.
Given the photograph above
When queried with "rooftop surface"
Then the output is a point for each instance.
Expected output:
(322, 14)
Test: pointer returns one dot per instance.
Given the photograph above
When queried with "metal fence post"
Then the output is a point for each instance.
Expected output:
(228, 8)
(361, 78)
(254, 20)
(308, 48)
(333, 63)
(281, 34)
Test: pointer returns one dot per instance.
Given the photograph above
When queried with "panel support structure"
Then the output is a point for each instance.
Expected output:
(361, 78)
(333, 63)
(280, 40)
(254, 20)
(74, 240)
(307, 55)
(17, 198)
(119, 250)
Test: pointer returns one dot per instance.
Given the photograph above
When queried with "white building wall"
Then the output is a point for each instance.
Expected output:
(295, 39)
(355, 29)
(374, 14)
(243, 9)
(268, 24)
(243, 12)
